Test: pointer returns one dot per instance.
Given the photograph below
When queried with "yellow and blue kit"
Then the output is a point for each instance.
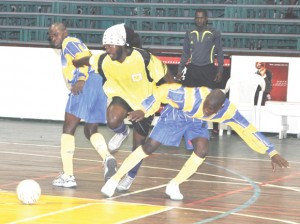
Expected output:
(91, 104)
(190, 101)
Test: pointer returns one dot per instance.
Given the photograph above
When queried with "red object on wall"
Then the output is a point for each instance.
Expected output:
(169, 60)
(279, 80)
(175, 60)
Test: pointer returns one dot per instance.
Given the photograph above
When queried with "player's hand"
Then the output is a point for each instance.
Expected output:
(218, 77)
(78, 87)
(178, 77)
(181, 75)
(277, 160)
(136, 115)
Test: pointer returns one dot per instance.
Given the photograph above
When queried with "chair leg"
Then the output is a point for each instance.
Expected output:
(220, 131)
(228, 130)
(222, 127)
(284, 127)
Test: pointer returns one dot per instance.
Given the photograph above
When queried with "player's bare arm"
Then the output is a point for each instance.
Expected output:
(81, 61)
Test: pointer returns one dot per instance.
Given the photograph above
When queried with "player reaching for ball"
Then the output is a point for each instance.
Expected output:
(187, 112)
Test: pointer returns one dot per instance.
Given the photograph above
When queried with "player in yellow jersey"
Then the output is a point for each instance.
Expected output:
(87, 101)
(131, 75)
(187, 112)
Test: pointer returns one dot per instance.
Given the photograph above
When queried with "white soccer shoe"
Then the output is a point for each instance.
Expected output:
(64, 181)
(110, 167)
(173, 191)
(116, 141)
(125, 183)
(109, 188)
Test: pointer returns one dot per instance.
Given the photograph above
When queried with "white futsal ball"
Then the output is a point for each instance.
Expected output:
(28, 192)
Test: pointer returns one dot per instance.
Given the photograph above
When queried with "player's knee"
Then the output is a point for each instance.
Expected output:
(201, 152)
(114, 122)
(149, 147)
(147, 151)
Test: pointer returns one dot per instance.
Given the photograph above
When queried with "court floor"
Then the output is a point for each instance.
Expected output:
(234, 185)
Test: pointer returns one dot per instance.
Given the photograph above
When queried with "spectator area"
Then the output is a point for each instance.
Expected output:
(246, 25)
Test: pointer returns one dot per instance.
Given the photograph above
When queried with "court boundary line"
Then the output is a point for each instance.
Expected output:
(167, 208)
(155, 153)
(285, 221)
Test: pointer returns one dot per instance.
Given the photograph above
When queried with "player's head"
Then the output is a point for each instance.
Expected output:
(56, 34)
(117, 38)
(213, 102)
(201, 17)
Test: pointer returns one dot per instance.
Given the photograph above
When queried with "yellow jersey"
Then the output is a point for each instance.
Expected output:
(129, 79)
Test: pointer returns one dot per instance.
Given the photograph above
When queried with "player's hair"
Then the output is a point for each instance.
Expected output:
(204, 11)
(132, 38)
(60, 26)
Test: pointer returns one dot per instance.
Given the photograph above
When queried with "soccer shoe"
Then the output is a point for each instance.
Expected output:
(110, 167)
(64, 181)
(174, 192)
(125, 183)
(116, 141)
(109, 188)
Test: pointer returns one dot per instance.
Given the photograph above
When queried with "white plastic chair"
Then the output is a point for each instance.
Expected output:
(242, 90)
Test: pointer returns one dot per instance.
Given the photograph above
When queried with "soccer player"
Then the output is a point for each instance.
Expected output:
(192, 104)
(131, 75)
(87, 101)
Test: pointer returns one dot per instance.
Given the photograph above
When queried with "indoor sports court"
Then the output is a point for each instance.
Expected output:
(234, 185)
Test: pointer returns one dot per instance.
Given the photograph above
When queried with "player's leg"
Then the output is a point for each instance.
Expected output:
(140, 132)
(167, 132)
(116, 113)
(128, 179)
(67, 179)
(98, 141)
(198, 133)
(131, 161)
(188, 169)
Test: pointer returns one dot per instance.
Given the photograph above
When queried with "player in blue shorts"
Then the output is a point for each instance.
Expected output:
(186, 114)
(87, 101)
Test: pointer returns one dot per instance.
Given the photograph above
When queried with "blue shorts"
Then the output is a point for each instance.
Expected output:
(91, 104)
(170, 131)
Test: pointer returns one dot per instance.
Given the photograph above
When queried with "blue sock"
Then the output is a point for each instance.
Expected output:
(133, 172)
(121, 129)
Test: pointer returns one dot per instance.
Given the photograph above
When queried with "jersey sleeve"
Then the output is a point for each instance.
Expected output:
(219, 51)
(94, 62)
(71, 47)
(186, 52)
(156, 68)
(159, 96)
(253, 138)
